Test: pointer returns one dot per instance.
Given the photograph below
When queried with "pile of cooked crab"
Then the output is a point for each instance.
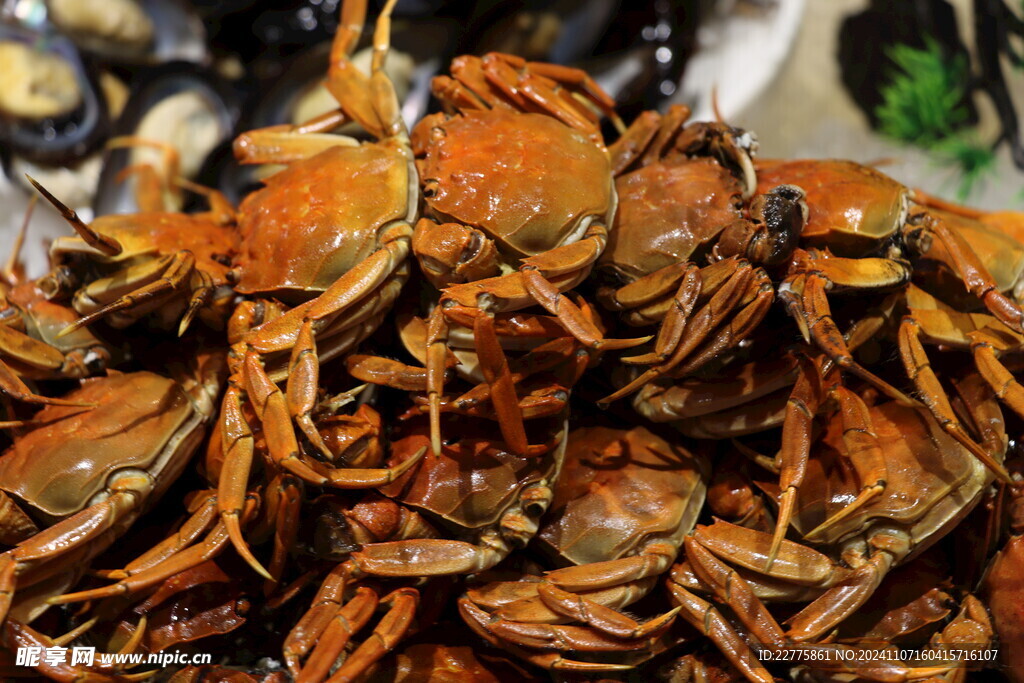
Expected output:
(522, 392)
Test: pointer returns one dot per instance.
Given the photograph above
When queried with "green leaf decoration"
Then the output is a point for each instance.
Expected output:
(922, 104)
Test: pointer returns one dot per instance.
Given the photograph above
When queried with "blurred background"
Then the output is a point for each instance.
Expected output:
(928, 90)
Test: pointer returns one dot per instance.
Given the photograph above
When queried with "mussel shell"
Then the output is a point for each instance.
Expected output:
(581, 24)
(179, 35)
(59, 139)
(173, 79)
(178, 32)
(637, 52)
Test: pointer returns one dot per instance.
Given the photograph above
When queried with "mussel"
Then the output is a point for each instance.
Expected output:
(127, 32)
(51, 107)
(191, 108)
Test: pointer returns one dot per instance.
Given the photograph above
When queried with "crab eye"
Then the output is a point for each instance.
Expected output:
(430, 188)
(437, 133)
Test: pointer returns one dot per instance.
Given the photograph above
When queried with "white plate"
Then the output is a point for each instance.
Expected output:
(740, 49)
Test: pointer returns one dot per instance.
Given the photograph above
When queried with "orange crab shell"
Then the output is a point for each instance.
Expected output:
(619, 489)
(851, 207)
(666, 212)
(68, 438)
(471, 483)
(160, 233)
(527, 180)
(319, 218)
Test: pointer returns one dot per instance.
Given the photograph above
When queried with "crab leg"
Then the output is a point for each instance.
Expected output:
(102, 243)
(210, 547)
(569, 637)
(735, 592)
(348, 619)
(1003, 383)
(624, 151)
(386, 372)
(514, 325)
(238, 444)
(915, 360)
(736, 329)
(794, 563)
(578, 79)
(542, 279)
(435, 557)
(733, 589)
(201, 520)
(325, 606)
(547, 356)
(285, 143)
(598, 616)
(520, 600)
(671, 331)
(500, 374)
(270, 406)
(541, 402)
(863, 450)
(176, 270)
(203, 289)
(503, 392)
(840, 601)
(649, 292)
(360, 321)
(805, 297)
(618, 582)
(847, 590)
(480, 622)
(303, 380)
(151, 185)
(12, 385)
(801, 408)
(703, 616)
(77, 531)
(569, 314)
(437, 355)
(764, 587)
(721, 303)
(960, 257)
(284, 500)
(391, 629)
(374, 105)
(738, 289)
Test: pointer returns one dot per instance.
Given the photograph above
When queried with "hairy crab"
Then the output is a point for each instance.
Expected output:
(654, 491)
(32, 346)
(929, 486)
(382, 533)
(167, 265)
(681, 194)
(854, 211)
(356, 204)
(492, 499)
(106, 465)
(519, 201)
